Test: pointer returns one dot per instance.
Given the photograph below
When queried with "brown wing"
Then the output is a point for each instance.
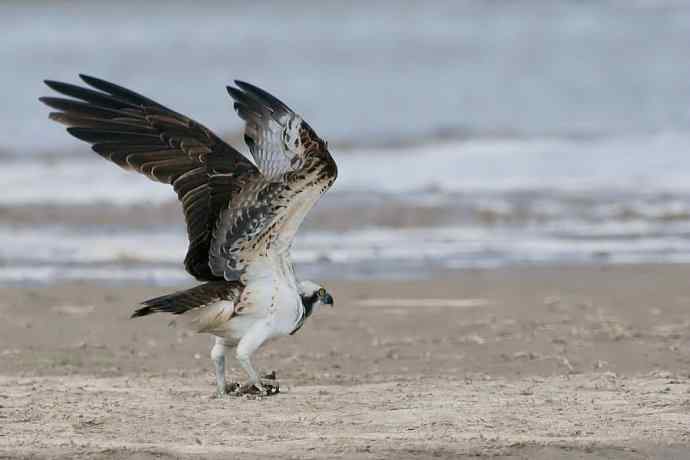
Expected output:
(200, 296)
(137, 133)
(279, 139)
(296, 169)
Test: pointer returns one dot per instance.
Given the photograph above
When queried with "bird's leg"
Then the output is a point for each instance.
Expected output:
(249, 343)
(218, 357)
(243, 357)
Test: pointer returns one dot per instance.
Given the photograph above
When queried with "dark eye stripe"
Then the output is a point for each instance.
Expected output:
(309, 301)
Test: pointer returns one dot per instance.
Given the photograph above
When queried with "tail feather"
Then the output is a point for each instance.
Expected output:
(166, 303)
(183, 301)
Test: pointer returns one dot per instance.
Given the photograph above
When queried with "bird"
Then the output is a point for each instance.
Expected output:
(241, 215)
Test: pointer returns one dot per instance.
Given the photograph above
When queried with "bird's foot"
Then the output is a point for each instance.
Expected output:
(267, 386)
(218, 394)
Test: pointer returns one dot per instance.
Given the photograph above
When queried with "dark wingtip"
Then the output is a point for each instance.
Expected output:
(59, 117)
(88, 79)
(241, 83)
(246, 86)
(246, 103)
(52, 84)
(95, 82)
(262, 95)
(234, 92)
(79, 133)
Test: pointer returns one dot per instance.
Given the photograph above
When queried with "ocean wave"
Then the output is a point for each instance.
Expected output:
(477, 203)
(67, 253)
(645, 164)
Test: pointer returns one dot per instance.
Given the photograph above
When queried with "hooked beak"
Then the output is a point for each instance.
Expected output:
(328, 300)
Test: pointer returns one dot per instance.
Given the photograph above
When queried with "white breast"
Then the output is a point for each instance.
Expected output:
(288, 307)
(271, 293)
(270, 296)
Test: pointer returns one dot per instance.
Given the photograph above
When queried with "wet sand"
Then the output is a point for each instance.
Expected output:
(540, 363)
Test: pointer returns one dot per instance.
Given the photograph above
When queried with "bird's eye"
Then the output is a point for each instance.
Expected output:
(322, 292)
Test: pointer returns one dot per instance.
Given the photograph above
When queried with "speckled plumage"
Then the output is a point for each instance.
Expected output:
(241, 217)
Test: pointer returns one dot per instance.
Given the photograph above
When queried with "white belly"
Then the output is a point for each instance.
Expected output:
(213, 318)
(270, 296)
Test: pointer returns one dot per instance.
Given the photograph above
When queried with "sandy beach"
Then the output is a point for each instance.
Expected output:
(507, 240)
(540, 363)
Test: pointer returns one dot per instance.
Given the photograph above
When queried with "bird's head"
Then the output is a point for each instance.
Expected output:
(313, 296)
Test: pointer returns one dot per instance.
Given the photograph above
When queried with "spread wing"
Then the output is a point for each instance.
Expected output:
(297, 169)
(139, 134)
(278, 138)
(234, 211)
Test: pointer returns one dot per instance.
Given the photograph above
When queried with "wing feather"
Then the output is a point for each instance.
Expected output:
(234, 212)
(271, 130)
(296, 167)
(137, 133)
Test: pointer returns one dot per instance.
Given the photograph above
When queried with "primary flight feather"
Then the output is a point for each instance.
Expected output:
(241, 217)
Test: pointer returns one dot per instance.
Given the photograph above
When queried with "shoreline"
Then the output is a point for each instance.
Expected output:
(559, 308)
(547, 362)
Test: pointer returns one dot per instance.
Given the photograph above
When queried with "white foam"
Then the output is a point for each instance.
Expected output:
(64, 245)
(79, 181)
(50, 254)
(654, 163)
(59, 244)
(49, 273)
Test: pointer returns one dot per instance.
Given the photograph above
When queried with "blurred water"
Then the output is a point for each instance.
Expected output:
(457, 205)
(635, 165)
(502, 132)
(364, 72)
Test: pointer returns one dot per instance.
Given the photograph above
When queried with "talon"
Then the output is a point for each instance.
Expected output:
(271, 386)
(254, 388)
(249, 389)
(231, 388)
(262, 388)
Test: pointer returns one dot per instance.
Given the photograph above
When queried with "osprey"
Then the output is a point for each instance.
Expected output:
(241, 216)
